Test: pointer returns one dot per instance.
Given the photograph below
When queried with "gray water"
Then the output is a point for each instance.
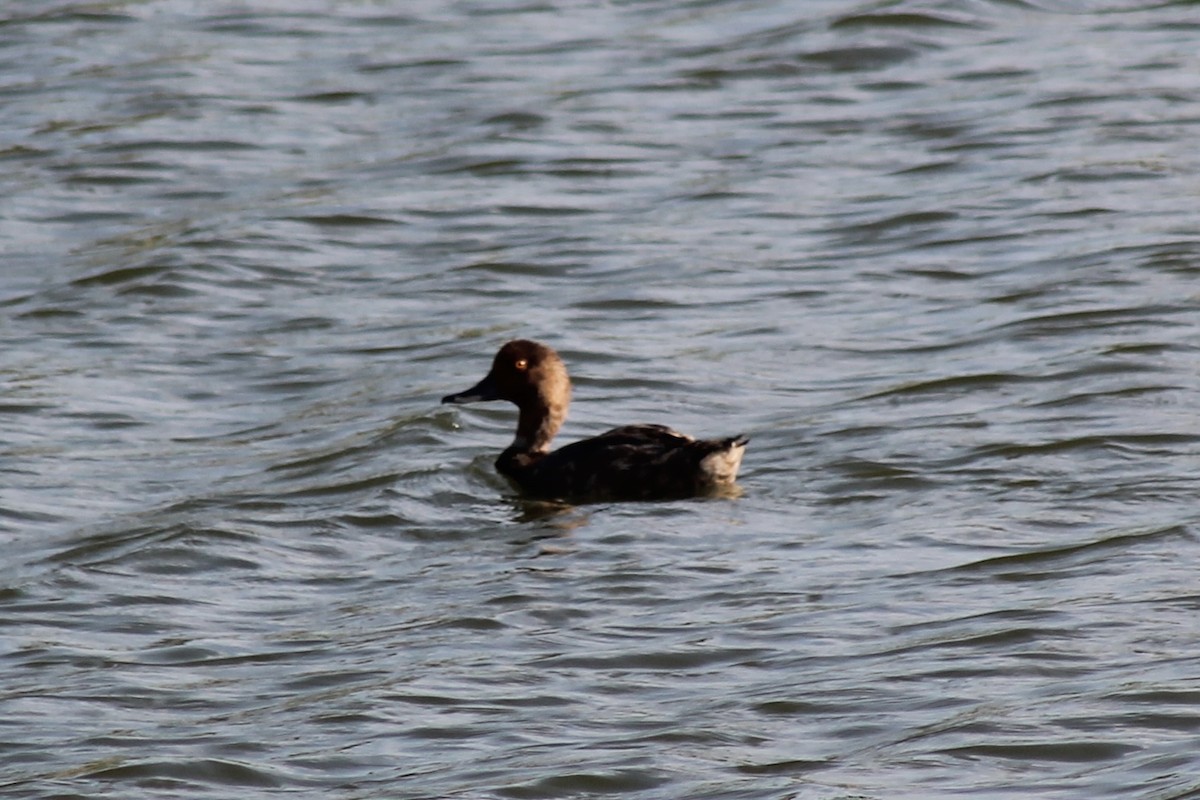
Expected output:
(939, 260)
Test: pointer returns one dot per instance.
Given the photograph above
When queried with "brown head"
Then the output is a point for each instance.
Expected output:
(532, 376)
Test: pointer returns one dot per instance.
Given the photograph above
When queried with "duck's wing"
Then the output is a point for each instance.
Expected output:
(645, 434)
(630, 462)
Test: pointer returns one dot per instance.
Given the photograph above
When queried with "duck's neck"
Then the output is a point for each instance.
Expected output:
(537, 425)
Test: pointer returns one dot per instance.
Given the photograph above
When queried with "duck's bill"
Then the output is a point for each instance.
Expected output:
(481, 392)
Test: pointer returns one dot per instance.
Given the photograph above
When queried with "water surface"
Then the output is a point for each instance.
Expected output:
(939, 260)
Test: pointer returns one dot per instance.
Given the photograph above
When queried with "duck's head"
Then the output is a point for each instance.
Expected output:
(526, 373)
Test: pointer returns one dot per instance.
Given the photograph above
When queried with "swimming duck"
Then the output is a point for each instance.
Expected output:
(633, 462)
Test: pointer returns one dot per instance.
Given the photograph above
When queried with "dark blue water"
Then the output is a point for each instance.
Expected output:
(939, 260)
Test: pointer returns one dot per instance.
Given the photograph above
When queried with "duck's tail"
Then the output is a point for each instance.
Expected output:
(720, 466)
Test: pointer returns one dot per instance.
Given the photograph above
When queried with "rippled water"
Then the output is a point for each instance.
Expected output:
(939, 260)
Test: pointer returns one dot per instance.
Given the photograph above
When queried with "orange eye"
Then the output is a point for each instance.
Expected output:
(521, 363)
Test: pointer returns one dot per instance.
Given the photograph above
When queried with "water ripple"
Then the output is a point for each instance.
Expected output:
(937, 259)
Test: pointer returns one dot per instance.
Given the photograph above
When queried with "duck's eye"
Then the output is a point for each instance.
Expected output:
(521, 363)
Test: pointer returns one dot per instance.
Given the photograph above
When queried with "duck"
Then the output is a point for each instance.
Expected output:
(632, 462)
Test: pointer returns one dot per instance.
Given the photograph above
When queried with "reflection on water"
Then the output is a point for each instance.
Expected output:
(937, 260)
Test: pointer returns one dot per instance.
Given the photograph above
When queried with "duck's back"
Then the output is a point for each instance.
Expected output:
(633, 462)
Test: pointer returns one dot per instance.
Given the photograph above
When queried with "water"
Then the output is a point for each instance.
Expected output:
(939, 260)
